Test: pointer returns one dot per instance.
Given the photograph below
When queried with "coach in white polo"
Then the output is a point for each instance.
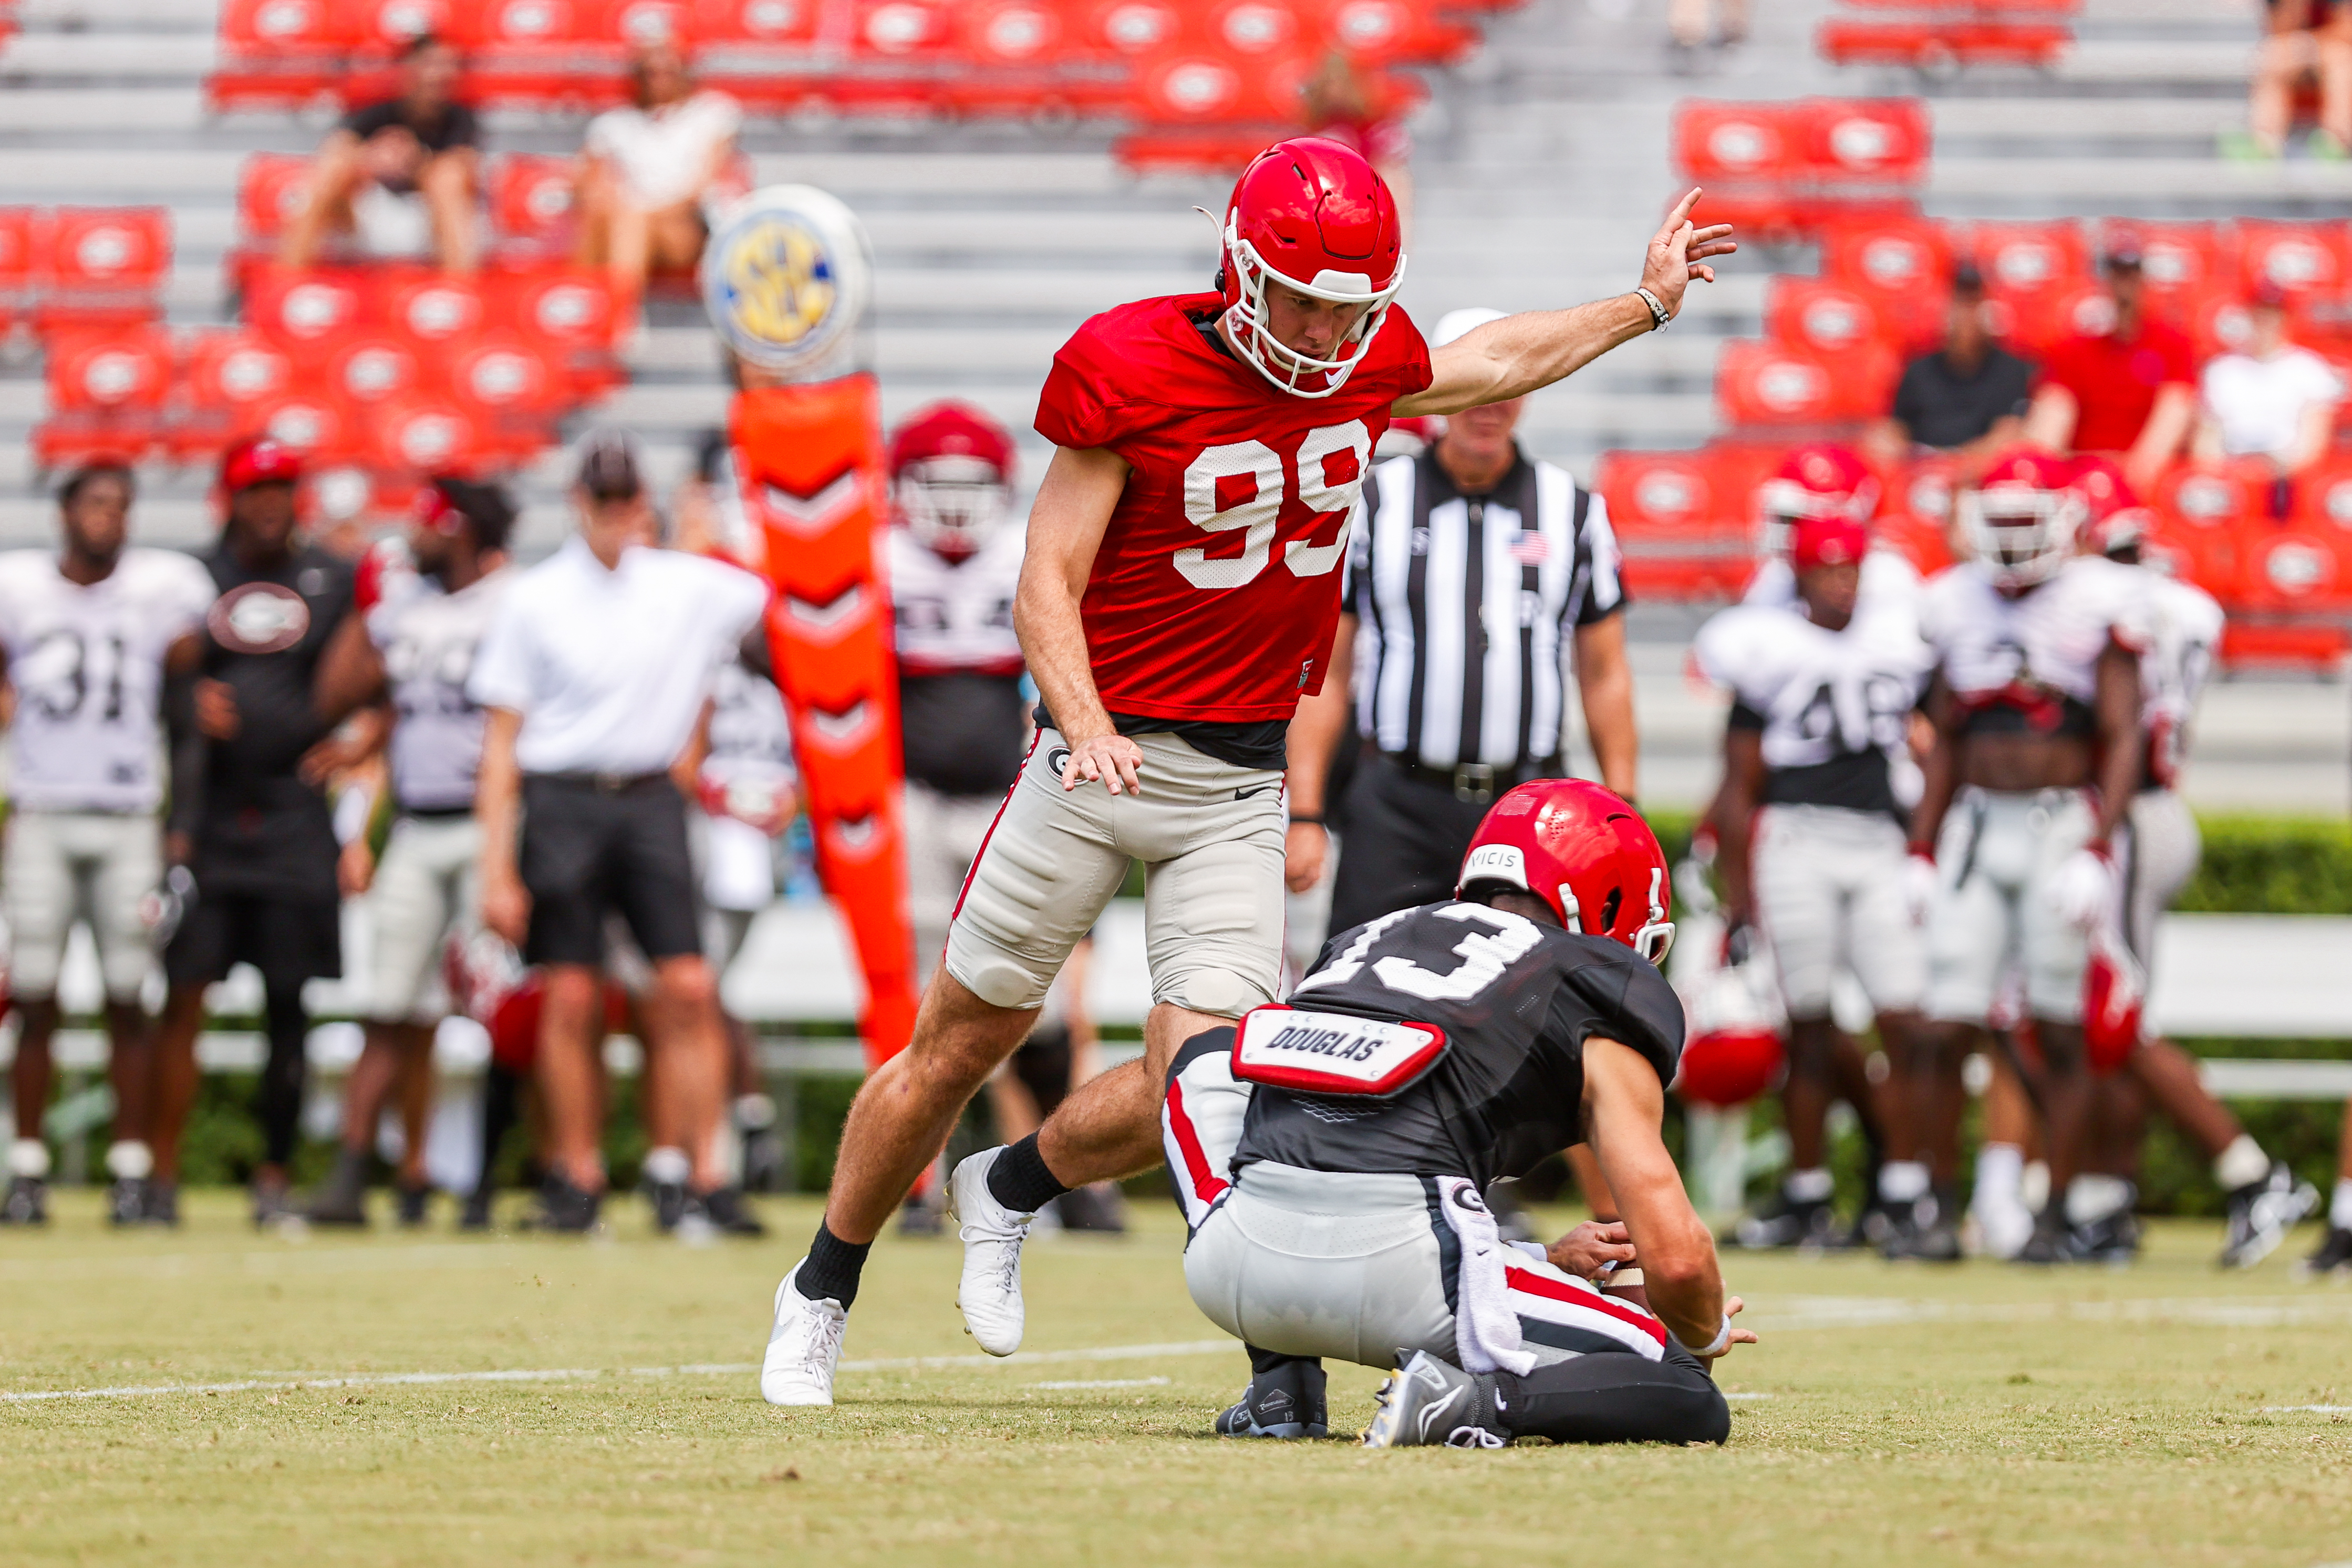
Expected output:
(594, 674)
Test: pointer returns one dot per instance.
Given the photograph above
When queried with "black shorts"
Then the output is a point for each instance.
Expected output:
(289, 939)
(590, 848)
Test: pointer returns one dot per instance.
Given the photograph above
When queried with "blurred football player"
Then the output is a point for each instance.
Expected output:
(2160, 850)
(1329, 1158)
(2036, 707)
(86, 635)
(1180, 592)
(1818, 783)
(413, 649)
(1821, 479)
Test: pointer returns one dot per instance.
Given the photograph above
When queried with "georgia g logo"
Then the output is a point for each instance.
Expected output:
(258, 618)
(786, 277)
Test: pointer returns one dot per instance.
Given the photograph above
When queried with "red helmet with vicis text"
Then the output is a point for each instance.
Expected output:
(1310, 215)
(1585, 851)
(952, 477)
(2114, 521)
(1821, 479)
(2022, 518)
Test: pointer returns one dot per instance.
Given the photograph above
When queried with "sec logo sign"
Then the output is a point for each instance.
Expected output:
(786, 278)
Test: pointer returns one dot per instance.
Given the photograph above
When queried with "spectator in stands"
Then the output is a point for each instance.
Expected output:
(423, 146)
(1695, 25)
(1967, 398)
(596, 671)
(2301, 37)
(1339, 103)
(652, 175)
(2130, 391)
(2272, 399)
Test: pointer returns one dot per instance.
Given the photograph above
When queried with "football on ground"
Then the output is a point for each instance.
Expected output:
(397, 1400)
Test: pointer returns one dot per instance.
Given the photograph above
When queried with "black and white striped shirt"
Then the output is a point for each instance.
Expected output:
(1466, 606)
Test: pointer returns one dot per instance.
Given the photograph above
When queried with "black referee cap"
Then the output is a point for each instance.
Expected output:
(608, 467)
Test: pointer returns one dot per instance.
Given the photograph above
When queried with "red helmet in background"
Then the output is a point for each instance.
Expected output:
(258, 460)
(1821, 479)
(1826, 541)
(2114, 521)
(1311, 214)
(951, 477)
(1583, 851)
(2022, 516)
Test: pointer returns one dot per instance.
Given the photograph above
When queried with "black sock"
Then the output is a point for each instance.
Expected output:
(832, 1267)
(1019, 1181)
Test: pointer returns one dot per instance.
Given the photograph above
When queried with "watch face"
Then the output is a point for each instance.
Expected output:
(258, 618)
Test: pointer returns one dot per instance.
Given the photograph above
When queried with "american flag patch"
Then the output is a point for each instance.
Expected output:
(1529, 549)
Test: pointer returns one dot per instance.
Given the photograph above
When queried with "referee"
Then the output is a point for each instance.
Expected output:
(595, 672)
(1476, 576)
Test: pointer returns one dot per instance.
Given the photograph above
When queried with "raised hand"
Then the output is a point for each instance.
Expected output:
(1679, 253)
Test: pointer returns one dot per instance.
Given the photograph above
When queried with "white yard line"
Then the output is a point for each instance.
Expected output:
(1106, 1383)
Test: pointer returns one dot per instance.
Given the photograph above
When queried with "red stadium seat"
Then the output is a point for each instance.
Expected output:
(1134, 26)
(1980, 7)
(1771, 384)
(1936, 47)
(1904, 265)
(432, 309)
(1652, 493)
(385, 26)
(634, 23)
(1823, 315)
(2032, 324)
(270, 189)
(903, 29)
(1390, 32)
(2024, 261)
(1254, 26)
(512, 389)
(107, 391)
(532, 201)
(105, 265)
(1013, 33)
(281, 53)
(570, 312)
(1735, 143)
(21, 243)
(2322, 497)
(2176, 259)
(426, 435)
(229, 378)
(318, 426)
(2202, 516)
(369, 369)
(304, 309)
(2296, 571)
(2301, 258)
(1880, 141)
(731, 23)
(2214, 318)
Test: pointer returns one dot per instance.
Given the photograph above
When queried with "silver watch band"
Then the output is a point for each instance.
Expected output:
(1659, 316)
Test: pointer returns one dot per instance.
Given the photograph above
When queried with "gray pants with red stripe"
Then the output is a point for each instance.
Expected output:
(1362, 1266)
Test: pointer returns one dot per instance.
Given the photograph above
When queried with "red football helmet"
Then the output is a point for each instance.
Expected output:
(1583, 851)
(2022, 516)
(1311, 214)
(1821, 479)
(2114, 521)
(1826, 541)
(258, 460)
(951, 477)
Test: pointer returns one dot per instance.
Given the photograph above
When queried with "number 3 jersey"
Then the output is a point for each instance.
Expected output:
(88, 665)
(1217, 590)
(1834, 706)
(1516, 1001)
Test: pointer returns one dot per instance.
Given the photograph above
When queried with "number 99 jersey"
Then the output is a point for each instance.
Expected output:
(1516, 1001)
(1217, 590)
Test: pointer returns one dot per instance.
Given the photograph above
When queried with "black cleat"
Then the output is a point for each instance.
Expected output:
(1097, 1207)
(2263, 1212)
(126, 1200)
(1286, 1401)
(1926, 1230)
(411, 1204)
(158, 1204)
(563, 1208)
(2334, 1256)
(475, 1215)
(2052, 1241)
(27, 1202)
(342, 1201)
(671, 1203)
(1782, 1222)
(726, 1212)
(2114, 1240)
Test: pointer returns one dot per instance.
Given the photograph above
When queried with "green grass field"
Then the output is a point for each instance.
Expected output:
(1892, 1416)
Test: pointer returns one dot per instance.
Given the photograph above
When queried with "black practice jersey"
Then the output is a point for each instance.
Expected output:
(261, 828)
(1516, 1001)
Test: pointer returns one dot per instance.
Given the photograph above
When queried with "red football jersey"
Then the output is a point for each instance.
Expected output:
(1217, 590)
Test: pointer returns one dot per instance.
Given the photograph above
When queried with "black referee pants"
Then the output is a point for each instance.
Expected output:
(1401, 845)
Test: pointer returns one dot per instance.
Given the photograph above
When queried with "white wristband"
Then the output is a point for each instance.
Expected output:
(1659, 315)
(1716, 1346)
(354, 808)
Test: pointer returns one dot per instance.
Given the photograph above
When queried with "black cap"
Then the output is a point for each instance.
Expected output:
(1966, 277)
(608, 467)
(2122, 253)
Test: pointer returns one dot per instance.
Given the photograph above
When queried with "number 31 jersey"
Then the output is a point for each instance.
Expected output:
(88, 665)
(1516, 1001)
(1217, 590)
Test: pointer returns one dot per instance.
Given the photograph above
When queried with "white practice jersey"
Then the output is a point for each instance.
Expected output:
(749, 730)
(88, 666)
(1888, 576)
(1833, 707)
(2184, 630)
(2032, 659)
(428, 638)
(956, 618)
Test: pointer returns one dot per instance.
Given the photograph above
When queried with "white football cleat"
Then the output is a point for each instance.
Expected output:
(803, 1347)
(990, 1294)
